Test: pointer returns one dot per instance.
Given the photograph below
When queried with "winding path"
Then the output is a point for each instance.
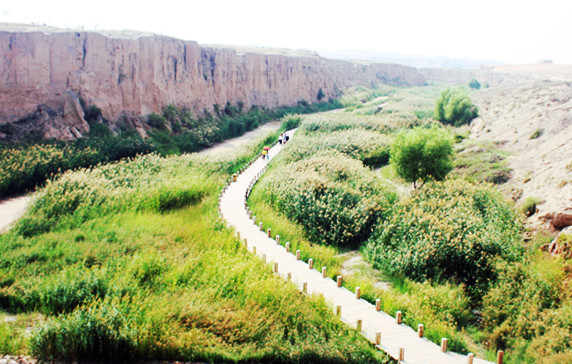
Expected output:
(377, 326)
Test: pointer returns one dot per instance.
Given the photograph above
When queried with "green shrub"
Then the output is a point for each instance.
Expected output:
(291, 122)
(422, 154)
(447, 230)
(474, 84)
(377, 158)
(528, 312)
(334, 198)
(454, 107)
(537, 134)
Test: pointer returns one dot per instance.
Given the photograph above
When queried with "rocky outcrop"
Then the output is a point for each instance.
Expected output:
(142, 74)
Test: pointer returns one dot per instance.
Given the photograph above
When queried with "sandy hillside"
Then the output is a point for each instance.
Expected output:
(533, 118)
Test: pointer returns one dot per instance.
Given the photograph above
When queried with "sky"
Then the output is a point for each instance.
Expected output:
(515, 32)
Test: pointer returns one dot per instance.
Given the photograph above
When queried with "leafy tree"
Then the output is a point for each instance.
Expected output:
(474, 84)
(454, 107)
(321, 94)
(421, 154)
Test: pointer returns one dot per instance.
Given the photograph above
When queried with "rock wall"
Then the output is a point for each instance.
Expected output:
(141, 74)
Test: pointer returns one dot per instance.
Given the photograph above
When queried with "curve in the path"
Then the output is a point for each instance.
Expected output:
(377, 326)
(11, 210)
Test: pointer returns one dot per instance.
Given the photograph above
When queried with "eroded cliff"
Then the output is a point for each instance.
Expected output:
(137, 74)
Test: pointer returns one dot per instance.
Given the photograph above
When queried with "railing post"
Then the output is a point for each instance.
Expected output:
(420, 330)
(269, 231)
(470, 358)
(444, 344)
(324, 275)
(310, 263)
(358, 293)
(287, 246)
(298, 254)
(398, 317)
(339, 281)
(401, 354)
(277, 239)
(500, 357)
(260, 225)
(378, 304)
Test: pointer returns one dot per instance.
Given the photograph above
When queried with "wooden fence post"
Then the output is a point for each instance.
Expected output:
(339, 281)
(260, 225)
(358, 293)
(378, 338)
(275, 267)
(324, 275)
(500, 357)
(420, 330)
(470, 358)
(277, 239)
(298, 254)
(378, 304)
(287, 246)
(444, 344)
(289, 276)
(305, 287)
(338, 310)
(269, 231)
(398, 317)
(401, 354)
(358, 325)
(264, 258)
(310, 263)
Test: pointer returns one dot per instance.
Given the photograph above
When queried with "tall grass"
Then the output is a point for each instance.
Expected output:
(453, 251)
(130, 261)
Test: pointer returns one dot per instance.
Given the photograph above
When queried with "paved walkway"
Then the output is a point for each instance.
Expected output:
(377, 326)
(11, 210)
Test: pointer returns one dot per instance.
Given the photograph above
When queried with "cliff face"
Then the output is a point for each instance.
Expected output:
(140, 75)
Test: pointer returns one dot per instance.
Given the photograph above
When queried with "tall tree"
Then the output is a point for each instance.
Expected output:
(421, 154)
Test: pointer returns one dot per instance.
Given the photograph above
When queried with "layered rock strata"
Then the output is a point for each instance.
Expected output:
(136, 74)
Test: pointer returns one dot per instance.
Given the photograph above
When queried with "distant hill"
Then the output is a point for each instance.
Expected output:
(418, 61)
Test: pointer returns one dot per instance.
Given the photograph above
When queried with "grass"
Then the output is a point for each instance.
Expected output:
(479, 318)
(123, 262)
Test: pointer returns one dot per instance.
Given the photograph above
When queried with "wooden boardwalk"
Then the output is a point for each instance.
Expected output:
(377, 326)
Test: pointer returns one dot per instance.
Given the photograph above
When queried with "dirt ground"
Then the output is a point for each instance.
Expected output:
(532, 118)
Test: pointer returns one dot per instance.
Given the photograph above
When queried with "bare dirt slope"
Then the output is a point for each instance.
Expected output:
(533, 117)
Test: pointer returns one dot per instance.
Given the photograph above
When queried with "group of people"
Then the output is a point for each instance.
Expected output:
(282, 139)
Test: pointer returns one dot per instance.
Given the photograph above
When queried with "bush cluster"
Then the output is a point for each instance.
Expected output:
(448, 230)
(332, 196)
(454, 107)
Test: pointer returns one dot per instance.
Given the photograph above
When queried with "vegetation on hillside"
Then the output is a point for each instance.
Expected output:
(24, 166)
(453, 250)
(130, 261)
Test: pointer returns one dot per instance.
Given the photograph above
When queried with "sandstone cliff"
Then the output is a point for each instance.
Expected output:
(139, 74)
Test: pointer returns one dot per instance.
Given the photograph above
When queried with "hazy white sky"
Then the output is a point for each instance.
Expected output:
(511, 31)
